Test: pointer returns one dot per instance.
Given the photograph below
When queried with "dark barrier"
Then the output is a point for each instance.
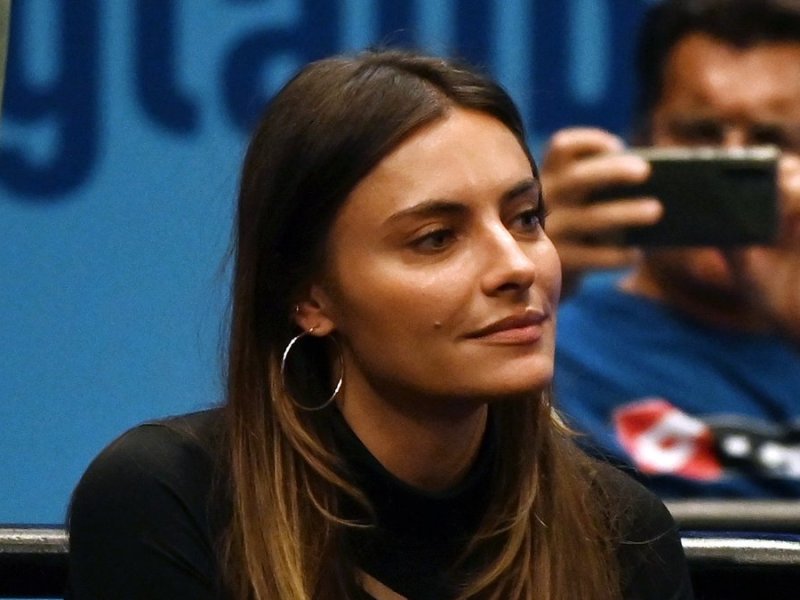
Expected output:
(724, 566)
(741, 549)
(33, 561)
(737, 515)
(743, 566)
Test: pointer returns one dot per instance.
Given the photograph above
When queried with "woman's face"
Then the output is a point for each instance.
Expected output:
(440, 281)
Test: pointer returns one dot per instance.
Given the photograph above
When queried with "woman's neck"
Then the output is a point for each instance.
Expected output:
(431, 450)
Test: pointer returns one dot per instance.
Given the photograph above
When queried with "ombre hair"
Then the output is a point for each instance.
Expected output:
(321, 135)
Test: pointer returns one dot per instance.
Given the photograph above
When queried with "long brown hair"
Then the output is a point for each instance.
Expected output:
(318, 138)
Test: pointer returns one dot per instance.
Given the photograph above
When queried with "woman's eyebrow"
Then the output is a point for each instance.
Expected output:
(524, 187)
(435, 207)
(429, 208)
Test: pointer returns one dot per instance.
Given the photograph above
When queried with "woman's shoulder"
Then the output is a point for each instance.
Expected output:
(649, 546)
(640, 512)
(177, 457)
(171, 463)
(149, 502)
(165, 446)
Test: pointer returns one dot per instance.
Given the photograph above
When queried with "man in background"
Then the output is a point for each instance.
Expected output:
(687, 366)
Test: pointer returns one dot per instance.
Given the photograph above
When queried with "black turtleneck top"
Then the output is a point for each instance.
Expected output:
(145, 516)
(433, 528)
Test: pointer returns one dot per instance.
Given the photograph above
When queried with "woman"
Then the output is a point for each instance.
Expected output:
(387, 431)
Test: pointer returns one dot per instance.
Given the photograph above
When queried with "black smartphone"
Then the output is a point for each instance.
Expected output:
(711, 196)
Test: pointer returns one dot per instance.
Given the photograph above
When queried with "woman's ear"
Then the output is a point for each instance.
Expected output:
(313, 311)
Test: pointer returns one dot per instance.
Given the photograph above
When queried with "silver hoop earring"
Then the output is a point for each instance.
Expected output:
(339, 383)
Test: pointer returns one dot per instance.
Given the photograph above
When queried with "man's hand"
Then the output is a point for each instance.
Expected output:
(577, 163)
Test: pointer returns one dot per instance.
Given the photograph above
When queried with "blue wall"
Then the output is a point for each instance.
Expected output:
(124, 122)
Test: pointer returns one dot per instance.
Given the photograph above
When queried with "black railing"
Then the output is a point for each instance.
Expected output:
(736, 564)
(781, 516)
(743, 566)
(33, 561)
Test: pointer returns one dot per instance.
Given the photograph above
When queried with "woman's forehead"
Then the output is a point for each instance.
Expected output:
(465, 153)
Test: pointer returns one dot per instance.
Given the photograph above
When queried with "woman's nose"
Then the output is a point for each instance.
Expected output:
(509, 267)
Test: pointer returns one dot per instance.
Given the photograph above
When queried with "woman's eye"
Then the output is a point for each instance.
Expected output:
(435, 240)
(529, 220)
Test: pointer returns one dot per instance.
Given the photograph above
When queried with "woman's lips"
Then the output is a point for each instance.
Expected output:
(515, 329)
(515, 336)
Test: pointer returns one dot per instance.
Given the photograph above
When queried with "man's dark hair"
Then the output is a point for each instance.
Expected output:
(740, 23)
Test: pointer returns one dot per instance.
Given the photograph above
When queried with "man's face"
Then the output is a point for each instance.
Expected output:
(717, 95)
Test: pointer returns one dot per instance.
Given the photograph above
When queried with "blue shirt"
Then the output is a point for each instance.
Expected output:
(698, 410)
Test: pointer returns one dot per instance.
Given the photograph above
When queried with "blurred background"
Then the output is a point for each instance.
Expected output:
(123, 126)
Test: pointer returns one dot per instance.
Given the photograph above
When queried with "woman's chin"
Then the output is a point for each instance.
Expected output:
(517, 385)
